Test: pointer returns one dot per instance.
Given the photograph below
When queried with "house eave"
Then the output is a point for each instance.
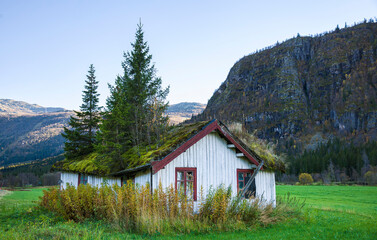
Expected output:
(131, 170)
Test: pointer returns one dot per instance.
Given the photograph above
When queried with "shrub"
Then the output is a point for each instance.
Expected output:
(135, 209)
(370, 177)
(305, 178)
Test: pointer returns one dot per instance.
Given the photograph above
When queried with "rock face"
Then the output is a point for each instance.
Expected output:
(304, 86)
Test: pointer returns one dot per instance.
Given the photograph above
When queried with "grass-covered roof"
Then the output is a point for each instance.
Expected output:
(259, 148)
(101, 164)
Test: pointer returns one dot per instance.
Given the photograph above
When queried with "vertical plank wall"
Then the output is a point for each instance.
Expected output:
(215, 164)
(73, 179)
(265, 184)
(69, 178)
(142, 178)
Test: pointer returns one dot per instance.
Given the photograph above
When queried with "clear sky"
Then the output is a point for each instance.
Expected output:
(46, 47)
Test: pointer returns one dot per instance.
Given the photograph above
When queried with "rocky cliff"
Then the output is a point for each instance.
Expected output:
(305, 89)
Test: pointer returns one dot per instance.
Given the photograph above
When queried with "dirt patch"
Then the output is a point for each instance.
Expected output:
(3, 193)
(18, 190)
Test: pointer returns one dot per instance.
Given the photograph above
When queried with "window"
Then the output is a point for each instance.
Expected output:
(124, 180)
(243, 176)
(185, 181)
(83, 179)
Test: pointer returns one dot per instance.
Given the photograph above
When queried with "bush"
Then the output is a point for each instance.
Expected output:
(135, 209)
(305, 178)
(370, 177)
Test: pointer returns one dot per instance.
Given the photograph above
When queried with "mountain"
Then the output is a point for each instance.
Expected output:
(182, 111)
(31, 137)
(30, 133)
(306, 90)
(12, 107)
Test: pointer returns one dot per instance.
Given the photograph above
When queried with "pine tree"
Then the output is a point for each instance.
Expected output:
(114, 137)
(81, 134)
(144, 93)
(337, 29)
(134, 116)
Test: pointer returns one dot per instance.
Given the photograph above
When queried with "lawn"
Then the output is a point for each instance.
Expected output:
(331, 212)
(359, 200)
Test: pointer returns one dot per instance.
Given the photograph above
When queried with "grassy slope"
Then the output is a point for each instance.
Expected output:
(331, 212)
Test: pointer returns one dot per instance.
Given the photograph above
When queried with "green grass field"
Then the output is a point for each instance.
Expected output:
(330, 212)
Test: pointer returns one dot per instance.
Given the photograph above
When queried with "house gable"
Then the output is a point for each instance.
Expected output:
(215, 163)
(212, 126)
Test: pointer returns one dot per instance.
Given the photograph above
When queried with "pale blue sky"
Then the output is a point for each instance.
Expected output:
(46, 47)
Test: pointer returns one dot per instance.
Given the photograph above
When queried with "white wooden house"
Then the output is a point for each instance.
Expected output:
(207, 157)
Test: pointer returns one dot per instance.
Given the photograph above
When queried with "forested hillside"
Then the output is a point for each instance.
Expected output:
(31, 137)
(182, 111)
(305, 91)
(30, 132)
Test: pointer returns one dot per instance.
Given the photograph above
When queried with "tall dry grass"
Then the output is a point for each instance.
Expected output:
(135, 208)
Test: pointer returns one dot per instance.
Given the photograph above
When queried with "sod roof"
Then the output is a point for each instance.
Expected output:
(103, 165)
(99, 164)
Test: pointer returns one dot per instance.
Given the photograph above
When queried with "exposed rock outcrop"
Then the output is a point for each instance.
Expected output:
(305, 85)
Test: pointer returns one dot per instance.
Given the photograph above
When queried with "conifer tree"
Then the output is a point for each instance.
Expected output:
(113, 137)
(134, 117)
(81, 134)
(144, 93)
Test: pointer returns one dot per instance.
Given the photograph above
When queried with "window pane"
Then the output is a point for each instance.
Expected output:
(190, 176)
(247, 178)
(181, 187)
(190, 190)
(180, 175)
(240, 185)
(248, 174)
(240, 176)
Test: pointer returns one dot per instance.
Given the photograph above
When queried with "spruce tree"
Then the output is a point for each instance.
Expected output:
(81, 134)
(113, 137)
(134, 117)
(144, 93)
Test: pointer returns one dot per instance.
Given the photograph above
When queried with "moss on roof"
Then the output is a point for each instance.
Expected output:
(93, 163)
(264, 151)
(100, 164)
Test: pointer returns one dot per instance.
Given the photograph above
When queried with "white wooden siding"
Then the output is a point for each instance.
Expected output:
(215, 164)
(265, 187)
(69, 178)
(142, 178)
(73, 179)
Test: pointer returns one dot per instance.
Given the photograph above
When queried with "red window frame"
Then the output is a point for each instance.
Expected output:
(85, 179)
(185, 170)
(244, 171)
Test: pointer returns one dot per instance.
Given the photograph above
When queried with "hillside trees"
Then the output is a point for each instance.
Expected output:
(336, 160)
(81, 134)
(134, 117)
